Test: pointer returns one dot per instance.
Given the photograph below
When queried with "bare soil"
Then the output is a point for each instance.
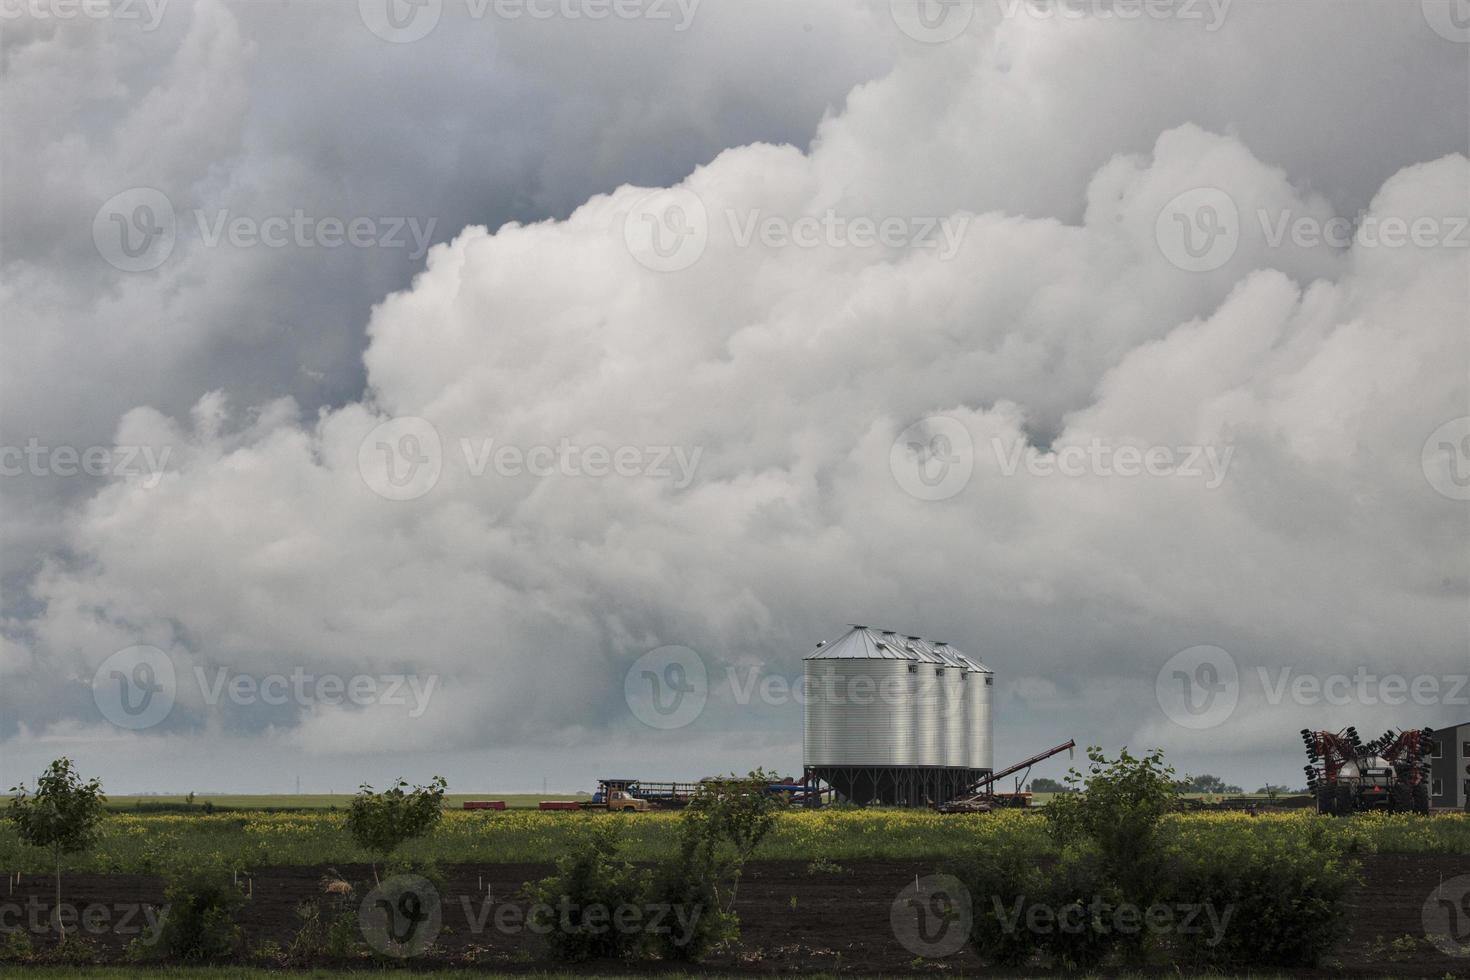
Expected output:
(792, 920)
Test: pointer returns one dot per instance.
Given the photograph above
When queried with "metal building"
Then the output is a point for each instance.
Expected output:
(896, 719)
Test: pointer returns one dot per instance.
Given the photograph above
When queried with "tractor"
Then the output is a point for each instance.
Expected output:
(1347, 776)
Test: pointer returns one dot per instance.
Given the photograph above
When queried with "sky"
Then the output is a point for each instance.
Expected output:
(402, 389)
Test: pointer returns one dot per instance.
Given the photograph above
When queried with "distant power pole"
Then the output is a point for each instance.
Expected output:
(543, 785)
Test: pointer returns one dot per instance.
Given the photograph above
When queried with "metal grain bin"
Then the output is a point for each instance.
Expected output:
(926, 689)
(859, 702)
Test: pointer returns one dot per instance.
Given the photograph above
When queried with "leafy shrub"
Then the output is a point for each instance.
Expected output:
(1119, 811)
(1145, 882)
(1020, 912)
(79, 951)
(689, 886)
(1083, 896)
(17, 947)
(1284, 902)
(999, 882)
(575, 906)
(382, 822)
(202, 901)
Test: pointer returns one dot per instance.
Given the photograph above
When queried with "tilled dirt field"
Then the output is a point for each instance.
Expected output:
(792, 920)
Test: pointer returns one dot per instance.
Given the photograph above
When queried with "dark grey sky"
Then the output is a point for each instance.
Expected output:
(1037, 165)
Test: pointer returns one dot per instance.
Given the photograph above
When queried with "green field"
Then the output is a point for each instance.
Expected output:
(286, 802)
(305, 801)
(150, 842)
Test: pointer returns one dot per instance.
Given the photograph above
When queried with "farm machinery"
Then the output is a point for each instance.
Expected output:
(639, 796)
(1347, 775)
(982, 798)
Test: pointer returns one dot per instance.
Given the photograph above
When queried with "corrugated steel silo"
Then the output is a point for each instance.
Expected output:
(859, 709)
(927, 693)
(895, 719)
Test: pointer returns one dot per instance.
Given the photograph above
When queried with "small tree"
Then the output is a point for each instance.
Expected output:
(381, 822)
(738, 812)
(61, 815)
(1045, 785)
(1118, 811)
